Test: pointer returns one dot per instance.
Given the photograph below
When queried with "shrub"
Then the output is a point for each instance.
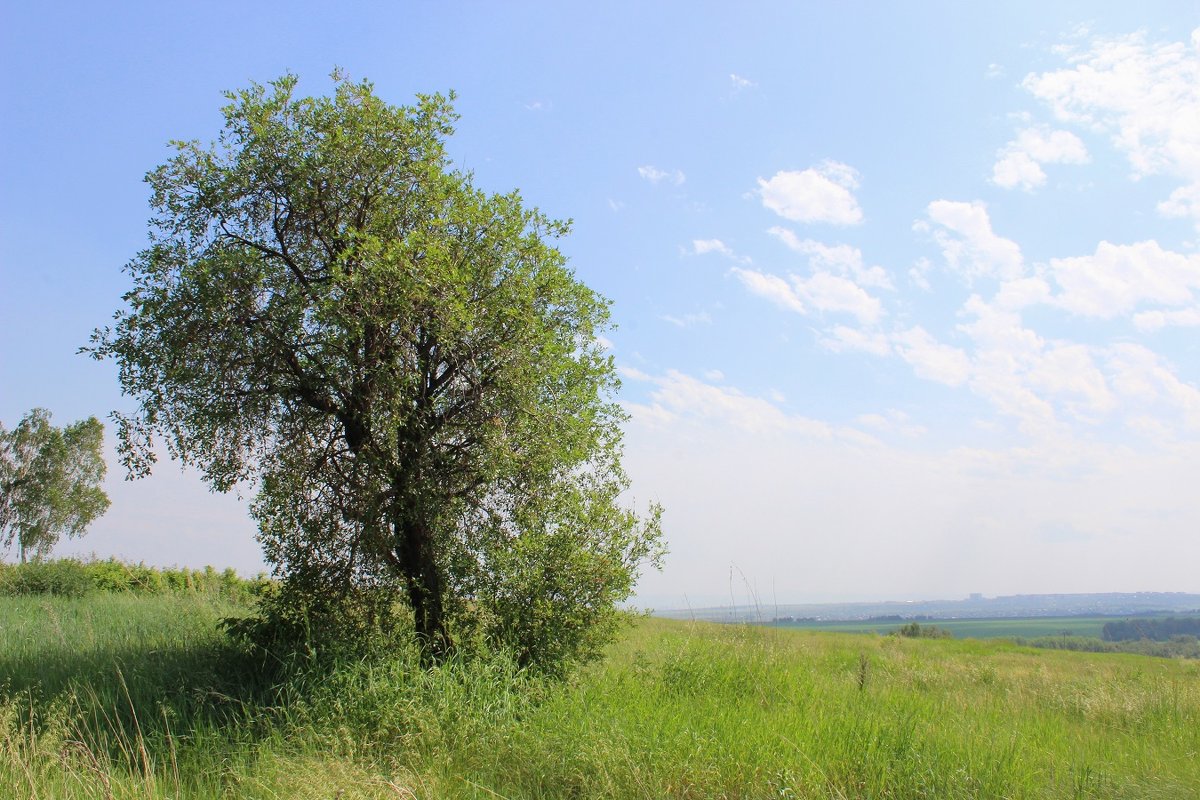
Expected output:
(915, 630)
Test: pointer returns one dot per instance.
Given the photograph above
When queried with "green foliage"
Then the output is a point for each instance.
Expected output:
(49, 482)
(61, 577)
(403, 365)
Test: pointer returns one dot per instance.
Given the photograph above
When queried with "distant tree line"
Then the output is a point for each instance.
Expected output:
(70, 577)
(1156, 630)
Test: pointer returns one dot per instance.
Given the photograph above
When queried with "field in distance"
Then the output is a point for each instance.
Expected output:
(1003, 628)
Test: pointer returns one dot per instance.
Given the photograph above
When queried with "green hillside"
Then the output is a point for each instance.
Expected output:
(138, 696)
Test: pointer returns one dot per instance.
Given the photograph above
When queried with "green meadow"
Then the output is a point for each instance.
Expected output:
(116, 695)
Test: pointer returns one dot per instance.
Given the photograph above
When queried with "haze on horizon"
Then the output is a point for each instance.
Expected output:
(908, 302)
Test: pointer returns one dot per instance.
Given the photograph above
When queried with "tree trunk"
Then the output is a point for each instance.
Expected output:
(418, 560)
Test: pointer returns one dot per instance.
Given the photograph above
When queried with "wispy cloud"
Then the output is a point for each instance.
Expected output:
(656, 175)
(678, 397)
(841, 258)
(688, 320)
(930, 359)
(741, 83)
(772, 287)
(821, 292)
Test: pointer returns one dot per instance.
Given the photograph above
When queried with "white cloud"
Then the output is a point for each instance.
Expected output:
(772, 287)
(892, 421)
(1116, 279)
(1069, 371)
(820, 194)
(702, 247)
(1023, 375)
(968, 243)
(680, 397)
(656, 175)
(930, 359)
(714, 375)
(1020, 161)
(1157, 320)
(825, 291)
(841, 338)
(1183, 202)
(1145, 96)
(1147, 379)
(1017, 169)
(1021, 293)
(918, 274)
(843, 258)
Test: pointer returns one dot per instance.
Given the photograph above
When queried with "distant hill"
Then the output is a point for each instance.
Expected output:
(1115, 604)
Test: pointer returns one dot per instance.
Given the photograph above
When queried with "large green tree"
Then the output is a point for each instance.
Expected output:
(402, 365)
(49, 481)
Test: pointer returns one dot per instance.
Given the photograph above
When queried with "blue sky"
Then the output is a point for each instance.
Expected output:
(908, 297)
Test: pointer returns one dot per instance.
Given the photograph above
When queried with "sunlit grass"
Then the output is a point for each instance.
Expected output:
(123, 697)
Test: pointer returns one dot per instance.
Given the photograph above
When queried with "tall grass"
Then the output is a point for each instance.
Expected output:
(127, 697)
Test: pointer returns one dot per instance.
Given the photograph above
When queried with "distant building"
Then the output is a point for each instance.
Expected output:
(975, 596)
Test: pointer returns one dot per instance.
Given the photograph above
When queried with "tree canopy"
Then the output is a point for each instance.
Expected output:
(49, 481)
(402, 365)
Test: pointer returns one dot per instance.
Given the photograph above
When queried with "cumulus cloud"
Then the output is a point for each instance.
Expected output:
(1144, 95)
(970, 247)
(656, 175)
(1116, 279)
(823, 193)
(1019, 163)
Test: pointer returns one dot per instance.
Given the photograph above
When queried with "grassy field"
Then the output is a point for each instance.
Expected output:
(1000, 628)
(113, 696)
